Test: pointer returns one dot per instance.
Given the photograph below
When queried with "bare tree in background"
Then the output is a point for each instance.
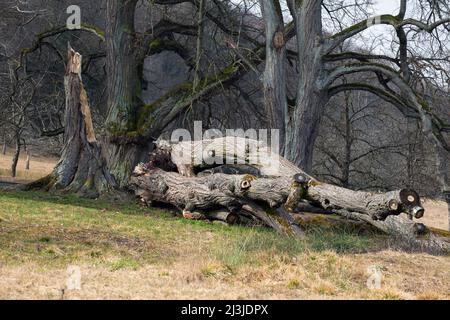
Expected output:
(350, 145)
(19, 103)
(319, 81)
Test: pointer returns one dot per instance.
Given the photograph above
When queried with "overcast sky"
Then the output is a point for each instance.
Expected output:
(386, 6)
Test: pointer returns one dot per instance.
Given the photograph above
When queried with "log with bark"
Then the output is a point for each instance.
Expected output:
(199, 178)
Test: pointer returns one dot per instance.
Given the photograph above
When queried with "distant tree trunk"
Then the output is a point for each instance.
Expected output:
(27, 162)
(4, 146)
(199, 46)
(16, 155)
(82, 167)
(348, 143)
(274, 79)
(124, 88)
(304, 119)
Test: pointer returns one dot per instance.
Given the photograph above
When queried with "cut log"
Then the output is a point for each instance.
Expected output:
(225, 216)
(82, 166)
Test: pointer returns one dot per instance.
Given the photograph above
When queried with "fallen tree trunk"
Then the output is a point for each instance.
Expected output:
(272, 195)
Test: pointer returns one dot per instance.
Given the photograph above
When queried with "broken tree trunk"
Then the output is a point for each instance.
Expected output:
(270, 192)
(82, 167)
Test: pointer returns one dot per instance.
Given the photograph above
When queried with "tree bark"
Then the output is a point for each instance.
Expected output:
(27, 161)
(443, 174)
(304, 119)
(82, 167)
(124, 70)
(274, 78)
(199, 45)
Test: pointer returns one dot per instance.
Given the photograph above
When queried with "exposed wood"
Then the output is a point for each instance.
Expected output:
(225, 216)
(82, 166)
(275, 191)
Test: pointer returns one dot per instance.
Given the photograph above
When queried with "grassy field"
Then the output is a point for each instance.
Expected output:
(126, 251)
(39, 167)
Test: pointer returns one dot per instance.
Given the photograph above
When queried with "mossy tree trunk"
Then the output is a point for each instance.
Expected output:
(124, 69)
(82, 167)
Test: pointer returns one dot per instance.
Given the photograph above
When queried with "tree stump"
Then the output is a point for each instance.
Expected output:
(82, 167)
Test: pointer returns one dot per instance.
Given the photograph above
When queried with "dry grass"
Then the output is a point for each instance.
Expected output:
(40, 166)
(436, 214)
(128, 252)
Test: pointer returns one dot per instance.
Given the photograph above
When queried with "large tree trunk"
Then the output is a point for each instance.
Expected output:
(82, 167)
(271, 196)
(132, 126)
(124, 69)
(304, 119)
(274, 80)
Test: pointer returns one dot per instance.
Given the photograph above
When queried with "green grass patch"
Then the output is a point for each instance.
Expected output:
(124, 263)
(54, 229)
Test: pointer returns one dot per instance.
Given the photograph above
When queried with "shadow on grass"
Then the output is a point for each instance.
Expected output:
(70, 199)
(243, 249)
